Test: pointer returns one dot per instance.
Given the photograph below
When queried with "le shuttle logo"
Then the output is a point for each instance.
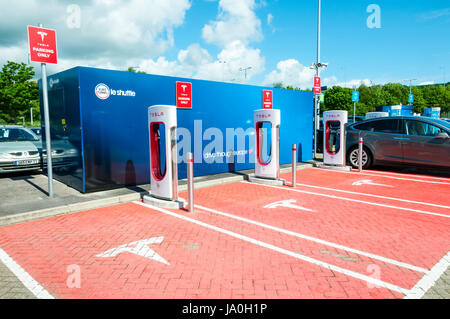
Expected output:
(42, 43)
(102, 91)
(184, 95)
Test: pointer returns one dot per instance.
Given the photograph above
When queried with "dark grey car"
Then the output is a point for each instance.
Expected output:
(400, 140)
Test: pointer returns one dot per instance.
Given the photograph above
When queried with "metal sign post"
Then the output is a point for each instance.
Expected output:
(47, 130)
(42, 46)
(355, 98)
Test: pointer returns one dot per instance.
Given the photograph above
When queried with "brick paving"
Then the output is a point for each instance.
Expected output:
(206, 263)
(11, 287)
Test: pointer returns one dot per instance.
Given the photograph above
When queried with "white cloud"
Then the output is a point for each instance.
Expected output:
(349, 84)
(236, 21)
(291, 73)
(427, 83)
(196, 62)
(111, 30)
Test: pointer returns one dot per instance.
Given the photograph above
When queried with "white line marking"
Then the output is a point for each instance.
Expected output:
(25, 278)
(283, 251)
(405, 174)
(352, 200)
(429, 279)
(373, 195)
(317, 240)
(387, 176)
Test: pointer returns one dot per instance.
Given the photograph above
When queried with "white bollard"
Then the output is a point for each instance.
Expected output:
(294, 165)
(190, 181)
(360, 151)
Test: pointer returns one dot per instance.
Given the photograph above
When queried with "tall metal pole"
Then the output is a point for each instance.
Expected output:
(316, 99)
(31, 115)
(47, 128)
(354, 109)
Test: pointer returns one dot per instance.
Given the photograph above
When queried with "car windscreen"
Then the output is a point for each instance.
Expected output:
(15, 135)
(381, 125)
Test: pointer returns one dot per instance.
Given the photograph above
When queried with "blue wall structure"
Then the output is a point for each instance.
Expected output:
(433, 112)
(405, 110)
(111, 135)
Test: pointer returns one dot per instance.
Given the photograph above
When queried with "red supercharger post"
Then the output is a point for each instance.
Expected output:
(42, 46)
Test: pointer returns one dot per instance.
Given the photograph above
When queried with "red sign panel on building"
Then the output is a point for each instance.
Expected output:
(184, 95)
(317, 85)
(267, 99)
(42, 43)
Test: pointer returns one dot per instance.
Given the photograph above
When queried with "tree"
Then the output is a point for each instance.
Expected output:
(338, 98)
(133, 70)
(278, 85)
(18, 93)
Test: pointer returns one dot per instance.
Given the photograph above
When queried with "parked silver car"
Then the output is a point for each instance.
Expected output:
(400, 140)
(18, 149)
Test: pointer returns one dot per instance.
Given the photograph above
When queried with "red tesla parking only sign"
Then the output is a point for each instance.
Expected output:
(317, 85)
(267, 99)
(42, 44)
(184, 95)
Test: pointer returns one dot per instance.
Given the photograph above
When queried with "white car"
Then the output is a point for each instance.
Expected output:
(18, 149)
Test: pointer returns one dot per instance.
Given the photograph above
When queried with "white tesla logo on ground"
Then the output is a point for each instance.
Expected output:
(289, 203)
(139, 248)
(42, 34)
(368, 182)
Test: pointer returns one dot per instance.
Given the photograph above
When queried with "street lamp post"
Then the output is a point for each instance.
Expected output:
(245, 71)
(223, 71)
(317, 67)
(409, 80)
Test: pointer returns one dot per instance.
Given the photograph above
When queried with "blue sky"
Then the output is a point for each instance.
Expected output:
(212, 40)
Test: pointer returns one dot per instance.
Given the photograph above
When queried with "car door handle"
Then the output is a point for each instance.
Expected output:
(401, 138)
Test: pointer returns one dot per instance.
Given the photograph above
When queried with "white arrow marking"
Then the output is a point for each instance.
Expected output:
(139, 248)
(287, 203)
(368, 182)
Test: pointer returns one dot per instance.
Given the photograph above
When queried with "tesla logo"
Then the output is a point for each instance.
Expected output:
(184, 87)
(267, 94)
(42, 34)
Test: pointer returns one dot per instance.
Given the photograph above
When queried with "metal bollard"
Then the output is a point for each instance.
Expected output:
(190, 181)
(360, 151)
(294, 165)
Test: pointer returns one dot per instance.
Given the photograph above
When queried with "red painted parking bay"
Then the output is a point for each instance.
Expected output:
(243, 241)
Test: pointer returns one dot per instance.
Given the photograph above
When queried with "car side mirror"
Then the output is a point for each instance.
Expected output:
(442, 136)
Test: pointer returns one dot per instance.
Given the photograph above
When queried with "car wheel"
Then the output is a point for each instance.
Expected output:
(353, 157)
